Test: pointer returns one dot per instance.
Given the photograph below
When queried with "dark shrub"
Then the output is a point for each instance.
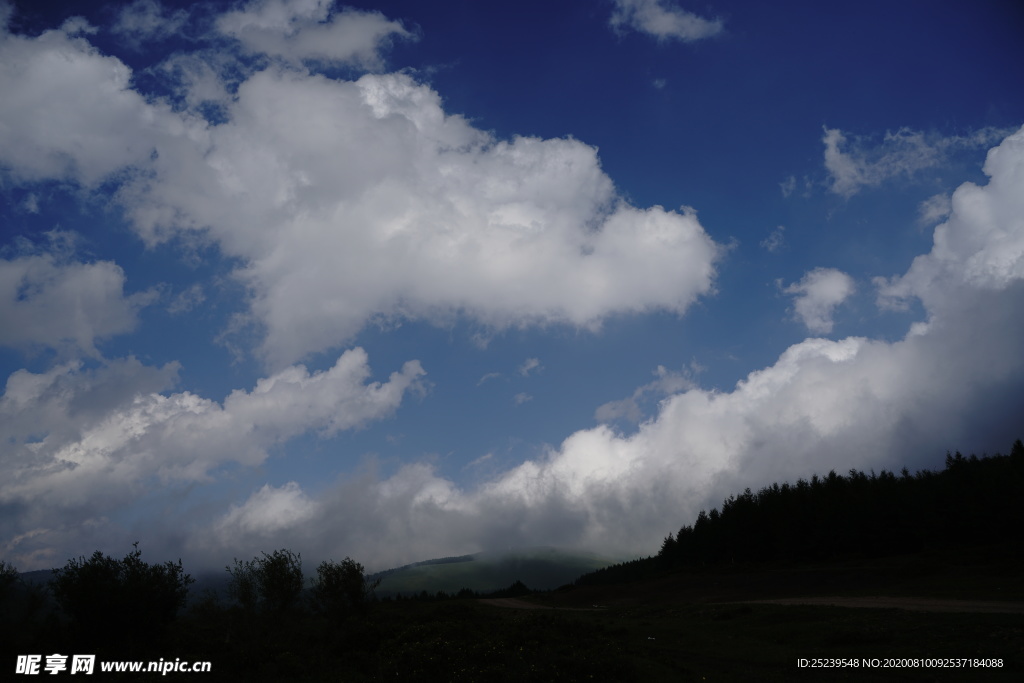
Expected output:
(109, 599)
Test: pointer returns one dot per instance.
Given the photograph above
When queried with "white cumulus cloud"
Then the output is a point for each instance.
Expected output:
(95, 438)
(69, 113)
(268, 510)
(351, 200)
(981, 243)
(823, 405)
(817, 295)
(380, 203)
(49, 299)
(298, 30)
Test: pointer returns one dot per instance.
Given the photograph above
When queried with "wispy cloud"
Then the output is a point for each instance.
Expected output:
(631, 409)
(774, 241)
(855, 164)
(481, 460)
(489, 376)
(934, 209)
(663, 19)
(186, 300)
(530, 365)
(787, 186)
(145, 21)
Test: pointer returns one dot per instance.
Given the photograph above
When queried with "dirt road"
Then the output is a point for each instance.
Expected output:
(873, 602)
(917, 604)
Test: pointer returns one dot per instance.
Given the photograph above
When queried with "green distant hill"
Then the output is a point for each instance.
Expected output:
(538, 568)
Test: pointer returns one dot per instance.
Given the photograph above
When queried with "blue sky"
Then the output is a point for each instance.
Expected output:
(401, 280)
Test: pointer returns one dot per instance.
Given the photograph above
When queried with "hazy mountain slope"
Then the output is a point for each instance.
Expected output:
(538, 568)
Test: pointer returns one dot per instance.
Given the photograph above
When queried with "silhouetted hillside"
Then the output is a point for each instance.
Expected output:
(968, 505)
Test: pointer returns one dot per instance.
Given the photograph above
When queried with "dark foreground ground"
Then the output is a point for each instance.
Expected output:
(685, 626)
(742, 623)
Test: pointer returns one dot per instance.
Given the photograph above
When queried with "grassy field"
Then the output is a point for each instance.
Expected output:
(679, 627)
(465, 640)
